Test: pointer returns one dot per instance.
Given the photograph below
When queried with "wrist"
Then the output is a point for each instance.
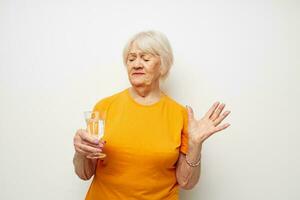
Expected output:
(193, 155)
(193, 163)
(194, 146)
(193, 158)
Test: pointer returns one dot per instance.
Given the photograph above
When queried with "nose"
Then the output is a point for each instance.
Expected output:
(137, 64)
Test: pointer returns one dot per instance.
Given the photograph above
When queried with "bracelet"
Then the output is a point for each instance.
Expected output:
(193, 164)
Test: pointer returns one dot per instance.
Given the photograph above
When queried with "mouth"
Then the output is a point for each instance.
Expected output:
(138, 74)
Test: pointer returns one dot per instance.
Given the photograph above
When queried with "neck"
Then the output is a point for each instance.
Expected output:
(146, 94)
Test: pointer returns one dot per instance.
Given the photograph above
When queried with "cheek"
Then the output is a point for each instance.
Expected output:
(128, 68)
(155, 69)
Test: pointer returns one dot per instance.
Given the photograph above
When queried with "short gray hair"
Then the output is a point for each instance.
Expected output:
(155, 43)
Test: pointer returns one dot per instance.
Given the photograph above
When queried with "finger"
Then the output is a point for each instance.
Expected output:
(95, 156)
(77, 135)
(87, 138)
(222, 127)
(92, 157)
(100, 145)
(81, 152)
(89, 149)
(211, 110)
(190, 113)
(102, 141)
(217, 112)
(221, 118)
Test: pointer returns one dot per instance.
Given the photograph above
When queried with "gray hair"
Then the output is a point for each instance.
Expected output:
(155, 43)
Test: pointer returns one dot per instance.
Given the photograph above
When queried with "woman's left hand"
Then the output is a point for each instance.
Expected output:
(200, 130)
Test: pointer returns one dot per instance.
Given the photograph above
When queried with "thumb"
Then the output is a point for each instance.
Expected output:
(190, 113)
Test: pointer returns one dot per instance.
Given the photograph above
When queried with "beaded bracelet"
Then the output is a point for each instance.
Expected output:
(193, 164)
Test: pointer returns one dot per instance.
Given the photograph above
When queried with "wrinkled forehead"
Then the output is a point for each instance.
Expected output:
(142, 48)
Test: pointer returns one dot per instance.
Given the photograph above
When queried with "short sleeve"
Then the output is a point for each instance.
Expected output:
(102, 106)
(184, 133)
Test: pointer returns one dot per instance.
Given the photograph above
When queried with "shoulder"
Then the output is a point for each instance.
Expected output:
(106, 101)
(175, 105)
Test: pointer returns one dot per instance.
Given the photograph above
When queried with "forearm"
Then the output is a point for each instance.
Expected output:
(187, 175)
(84, 168)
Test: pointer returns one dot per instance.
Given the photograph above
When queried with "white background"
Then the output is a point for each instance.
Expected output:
(58, 58)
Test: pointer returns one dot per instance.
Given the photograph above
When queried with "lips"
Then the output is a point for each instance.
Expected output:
(138, 73)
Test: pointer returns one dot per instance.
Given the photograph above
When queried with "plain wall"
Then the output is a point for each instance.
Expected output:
(58, 58)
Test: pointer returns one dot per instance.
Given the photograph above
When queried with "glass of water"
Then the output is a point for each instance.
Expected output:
(95, 126)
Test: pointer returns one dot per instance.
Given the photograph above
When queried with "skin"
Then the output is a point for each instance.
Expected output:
(144, 72)
(87, 149)
(198, 131)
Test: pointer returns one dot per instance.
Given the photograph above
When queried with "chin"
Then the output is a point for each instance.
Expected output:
(137, 82)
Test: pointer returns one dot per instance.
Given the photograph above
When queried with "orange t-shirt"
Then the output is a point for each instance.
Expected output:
(143, 145)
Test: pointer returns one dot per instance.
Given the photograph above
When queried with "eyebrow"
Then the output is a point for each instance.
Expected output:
(142, 54)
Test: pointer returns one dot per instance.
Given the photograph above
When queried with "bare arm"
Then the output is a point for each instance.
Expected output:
(84, 167)
(87, 150)
(198, 131)
(187, 176)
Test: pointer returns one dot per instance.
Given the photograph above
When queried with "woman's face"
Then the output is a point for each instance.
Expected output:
(143, 69)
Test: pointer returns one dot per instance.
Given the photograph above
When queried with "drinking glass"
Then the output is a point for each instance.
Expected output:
(95, 126)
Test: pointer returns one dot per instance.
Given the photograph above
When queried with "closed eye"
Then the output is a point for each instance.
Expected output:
(131, 59)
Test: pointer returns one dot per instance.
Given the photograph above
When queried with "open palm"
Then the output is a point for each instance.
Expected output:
(200, 130)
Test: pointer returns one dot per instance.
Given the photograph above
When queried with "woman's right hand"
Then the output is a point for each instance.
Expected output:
(86, 145)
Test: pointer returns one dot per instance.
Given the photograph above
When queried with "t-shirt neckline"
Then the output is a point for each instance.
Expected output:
(162, 97)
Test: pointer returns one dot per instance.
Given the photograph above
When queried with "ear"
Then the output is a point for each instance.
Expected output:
(162, 70)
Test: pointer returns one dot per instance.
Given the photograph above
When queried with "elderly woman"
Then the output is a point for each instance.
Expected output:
(153, 144)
